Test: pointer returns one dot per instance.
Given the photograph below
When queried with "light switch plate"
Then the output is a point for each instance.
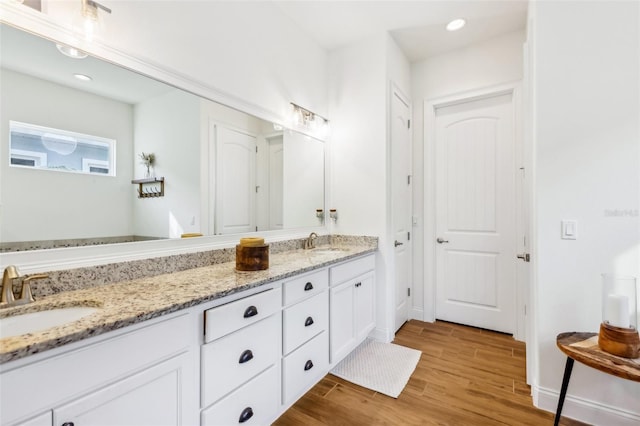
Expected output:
(569, 230)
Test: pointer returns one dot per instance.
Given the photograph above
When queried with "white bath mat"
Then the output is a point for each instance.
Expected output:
(382, 367)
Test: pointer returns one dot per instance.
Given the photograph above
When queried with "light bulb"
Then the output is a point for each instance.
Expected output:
(87, 21)
(456, 24)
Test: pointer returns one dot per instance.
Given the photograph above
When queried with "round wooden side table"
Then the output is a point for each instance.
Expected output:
(583, 347)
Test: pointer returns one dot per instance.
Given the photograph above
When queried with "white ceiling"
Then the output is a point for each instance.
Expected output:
(417, 26)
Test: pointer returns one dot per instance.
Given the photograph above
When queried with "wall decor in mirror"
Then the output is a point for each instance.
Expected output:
(225, 171)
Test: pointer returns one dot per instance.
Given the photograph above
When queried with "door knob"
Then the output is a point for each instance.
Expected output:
(524, 256)
(440, 240)
(397, 243)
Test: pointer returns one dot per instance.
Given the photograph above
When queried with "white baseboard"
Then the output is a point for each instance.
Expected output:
(584, 410)
(416, 314)
(382, 335)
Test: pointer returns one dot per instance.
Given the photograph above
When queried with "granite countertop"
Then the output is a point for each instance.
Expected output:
(129, 302)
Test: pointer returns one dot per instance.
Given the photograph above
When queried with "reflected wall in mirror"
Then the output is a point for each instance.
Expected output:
(225, 171)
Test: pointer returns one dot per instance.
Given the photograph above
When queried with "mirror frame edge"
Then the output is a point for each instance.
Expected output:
(39, 24)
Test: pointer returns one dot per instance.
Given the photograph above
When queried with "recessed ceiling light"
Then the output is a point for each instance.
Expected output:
(82, 77)
(456, 24)
(71, 52)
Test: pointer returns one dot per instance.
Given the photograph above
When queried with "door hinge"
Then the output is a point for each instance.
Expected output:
(408, 236)
(408, 291)
(256, 228)
(408, 179)
(257, 188)
(525, 310)
(408, 124)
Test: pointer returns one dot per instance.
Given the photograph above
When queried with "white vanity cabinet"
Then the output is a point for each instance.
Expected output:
(352, 301)
(143, 375)
(305, 349)
(240, 361)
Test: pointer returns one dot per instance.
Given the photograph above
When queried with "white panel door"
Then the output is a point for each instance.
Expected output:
(235, 181)
(475, 213)
(401, 197)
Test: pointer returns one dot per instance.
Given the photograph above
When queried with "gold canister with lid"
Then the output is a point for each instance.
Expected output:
(252, 254)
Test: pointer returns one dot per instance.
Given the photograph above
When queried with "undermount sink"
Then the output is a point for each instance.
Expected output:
(41, 320)
(327, 250)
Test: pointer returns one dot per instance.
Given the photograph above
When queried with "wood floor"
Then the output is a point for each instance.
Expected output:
(466, 376)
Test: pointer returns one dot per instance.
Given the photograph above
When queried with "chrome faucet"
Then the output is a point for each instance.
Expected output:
(8, 298)
(311, 241)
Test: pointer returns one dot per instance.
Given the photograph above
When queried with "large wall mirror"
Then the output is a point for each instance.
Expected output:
(224, 171)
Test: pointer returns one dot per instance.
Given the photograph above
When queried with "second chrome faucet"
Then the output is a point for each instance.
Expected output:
(310, 242)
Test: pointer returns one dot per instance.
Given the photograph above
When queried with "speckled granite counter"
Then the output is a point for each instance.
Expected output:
(130, 302)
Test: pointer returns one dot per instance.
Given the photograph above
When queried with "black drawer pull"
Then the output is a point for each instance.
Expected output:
(246, 356)
(246, 414)
(67, 424)
(308, 322)
(251, 311)
(308, 286)
(308, 365)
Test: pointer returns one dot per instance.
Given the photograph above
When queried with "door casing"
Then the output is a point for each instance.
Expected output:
(430, 107)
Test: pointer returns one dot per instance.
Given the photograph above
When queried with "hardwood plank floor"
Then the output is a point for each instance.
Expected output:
(466, 376)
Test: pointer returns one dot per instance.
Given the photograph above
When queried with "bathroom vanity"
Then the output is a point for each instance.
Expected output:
(209, 345)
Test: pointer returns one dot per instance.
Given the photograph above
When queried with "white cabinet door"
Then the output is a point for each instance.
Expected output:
(151, 397)
(342, 321)
(364, 306)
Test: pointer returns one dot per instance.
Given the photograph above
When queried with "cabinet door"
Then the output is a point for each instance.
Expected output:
(151, 397)
(364, 306)
(341, 320)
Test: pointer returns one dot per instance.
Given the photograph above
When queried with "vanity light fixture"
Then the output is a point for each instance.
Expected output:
(88, 21)
(302, 117)
(456, 24)
(83, 77)
(71, 52)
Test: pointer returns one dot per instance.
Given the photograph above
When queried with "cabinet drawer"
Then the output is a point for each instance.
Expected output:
(352, 269)
(305, 286)
(256, 401)
(304, 321)
(222, 320)
(305, 367)
(236, 358)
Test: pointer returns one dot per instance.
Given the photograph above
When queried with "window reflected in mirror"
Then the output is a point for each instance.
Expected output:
(40, 147)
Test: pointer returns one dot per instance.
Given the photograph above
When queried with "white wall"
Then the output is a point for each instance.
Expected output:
(169, 127)
(359, 81)
(587, 149)
(485, 64)
(43, 204)
(249, 50)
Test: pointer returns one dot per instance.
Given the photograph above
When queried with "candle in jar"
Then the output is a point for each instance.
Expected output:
(617, 310)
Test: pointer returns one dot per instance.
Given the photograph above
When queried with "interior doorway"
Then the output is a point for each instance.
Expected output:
(401, 202)
(471, 244)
